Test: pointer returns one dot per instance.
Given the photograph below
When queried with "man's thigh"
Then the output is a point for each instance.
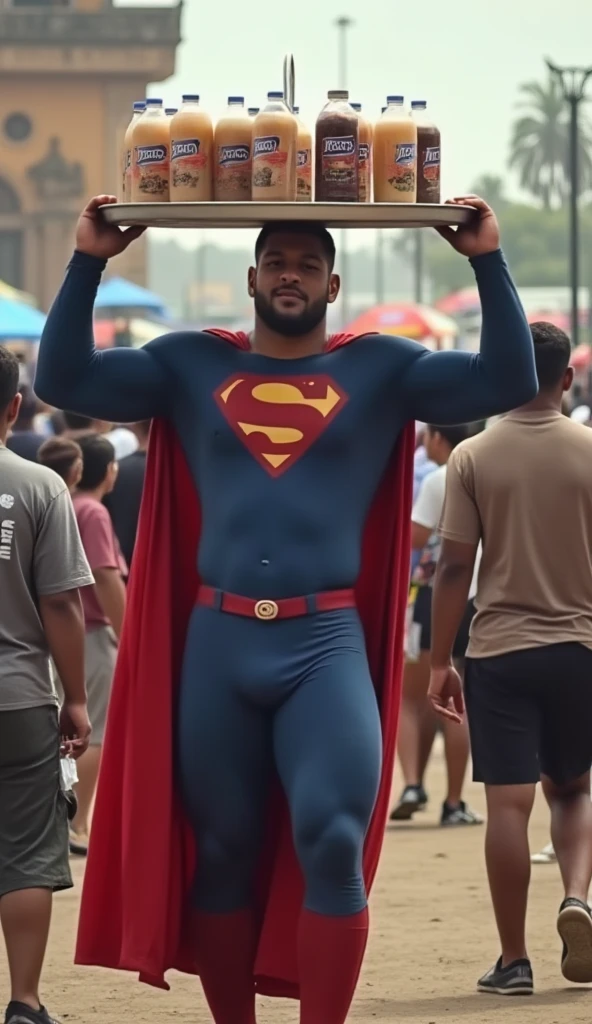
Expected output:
(566, 748)
(33, 814)
(505, 712)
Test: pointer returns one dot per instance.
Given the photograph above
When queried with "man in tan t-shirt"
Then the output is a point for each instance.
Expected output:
(524, 488)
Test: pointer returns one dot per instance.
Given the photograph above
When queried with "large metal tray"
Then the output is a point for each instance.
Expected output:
(255, 215)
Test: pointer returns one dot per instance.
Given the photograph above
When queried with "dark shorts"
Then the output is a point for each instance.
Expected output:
(530, 714)
(33, 813)
(422, 614)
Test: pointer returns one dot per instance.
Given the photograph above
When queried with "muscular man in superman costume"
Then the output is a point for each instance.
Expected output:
(280, 469)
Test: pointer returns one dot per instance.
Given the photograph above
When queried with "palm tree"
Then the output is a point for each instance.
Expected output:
(539, 148)
(492, 190)
(539, 142)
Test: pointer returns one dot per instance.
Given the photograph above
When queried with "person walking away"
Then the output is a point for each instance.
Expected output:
(126, 497)
(24, 439)
(42, 567)
(64, 456)
(523, 488)
(416, 715)
(104, 606)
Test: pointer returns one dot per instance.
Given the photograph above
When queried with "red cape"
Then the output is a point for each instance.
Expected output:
(142, 854)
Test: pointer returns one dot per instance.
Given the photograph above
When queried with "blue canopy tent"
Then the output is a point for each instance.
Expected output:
(118, 294)
(19, 322)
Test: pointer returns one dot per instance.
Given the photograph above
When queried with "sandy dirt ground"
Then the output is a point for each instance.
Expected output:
(432, 936)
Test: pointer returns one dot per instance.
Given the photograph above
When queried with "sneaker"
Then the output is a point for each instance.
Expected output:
(412, 799)
(574, 925)
(78, 842)
(20, 1013)
(459, 815)
(546, 856)
(513, 980)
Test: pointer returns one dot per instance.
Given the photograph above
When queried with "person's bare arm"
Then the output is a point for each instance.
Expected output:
(420, 535)
(110, 591)
(63, 622)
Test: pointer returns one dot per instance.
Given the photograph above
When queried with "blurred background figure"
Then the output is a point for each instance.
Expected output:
(104, 607)
(64, 456)
(25, 439)
(125, 499)
(123, 439)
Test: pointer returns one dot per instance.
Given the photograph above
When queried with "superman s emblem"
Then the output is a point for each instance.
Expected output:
(279, 418)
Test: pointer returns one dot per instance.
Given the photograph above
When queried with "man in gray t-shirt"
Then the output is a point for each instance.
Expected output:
(42, 565)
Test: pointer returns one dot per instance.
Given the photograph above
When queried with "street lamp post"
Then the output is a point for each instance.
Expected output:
(573, 84)
(343, 24)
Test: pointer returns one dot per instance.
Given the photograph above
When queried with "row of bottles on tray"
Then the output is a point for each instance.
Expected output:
(267, 155)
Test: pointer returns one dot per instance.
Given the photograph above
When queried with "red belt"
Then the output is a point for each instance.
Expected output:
(266, 610)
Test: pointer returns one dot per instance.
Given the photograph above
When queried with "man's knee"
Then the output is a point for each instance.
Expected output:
(330, 845)
(565, 791)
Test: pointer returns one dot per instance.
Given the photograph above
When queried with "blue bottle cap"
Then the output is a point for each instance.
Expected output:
(275, 95)
(150, 102)
(190, 97)
(357, 107)
(296, 110)
(253, 111)
(395, 99)
(418, 104)
(140, 105)
(236, 99)
(170, 110)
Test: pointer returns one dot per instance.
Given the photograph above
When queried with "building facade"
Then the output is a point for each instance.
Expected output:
(69, 73)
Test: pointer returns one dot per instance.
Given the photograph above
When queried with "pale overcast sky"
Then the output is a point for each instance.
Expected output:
(465, 57)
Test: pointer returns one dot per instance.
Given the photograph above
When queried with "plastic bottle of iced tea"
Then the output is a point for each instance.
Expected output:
(303, 161)
(395, 155)
(126, 156)
(275, 140)
(428, 154)
(365, 155)
(150, 155)
(336, 151)
(232, 148)
(192, 153)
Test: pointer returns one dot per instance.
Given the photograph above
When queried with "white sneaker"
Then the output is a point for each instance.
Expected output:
(546, 856)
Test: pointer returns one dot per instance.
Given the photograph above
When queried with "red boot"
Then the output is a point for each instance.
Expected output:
(330, 953)
(226, 946)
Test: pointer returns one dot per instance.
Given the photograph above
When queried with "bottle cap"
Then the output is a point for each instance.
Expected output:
(170, 110)
(418, 104)
(357, 107)
(236, 99)
(275, 95)
(153, 103)
(395, 99)
(296, 110)
(338, 94)
(253, 111)
(140, 105)
(190, 97)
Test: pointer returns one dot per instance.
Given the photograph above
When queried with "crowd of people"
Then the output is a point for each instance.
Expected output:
(496, 612)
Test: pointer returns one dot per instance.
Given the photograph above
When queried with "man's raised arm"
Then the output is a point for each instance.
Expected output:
(120, 385)
(459, 387)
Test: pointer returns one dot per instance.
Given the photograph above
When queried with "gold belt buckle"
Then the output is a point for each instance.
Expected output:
(266, 610)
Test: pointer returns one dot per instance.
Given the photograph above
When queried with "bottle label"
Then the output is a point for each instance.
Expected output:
(304, 175)
(365, 173)
(270, 163)
(233, 156)
(266, 146)
(233, 171)
(151, 171)
(402, 174)
(431, 163)
(339, 167)
(188, 163)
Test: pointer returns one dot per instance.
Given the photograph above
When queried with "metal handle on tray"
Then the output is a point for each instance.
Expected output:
(289, 81)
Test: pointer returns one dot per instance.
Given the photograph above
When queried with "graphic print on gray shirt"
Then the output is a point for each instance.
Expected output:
(40, 553)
